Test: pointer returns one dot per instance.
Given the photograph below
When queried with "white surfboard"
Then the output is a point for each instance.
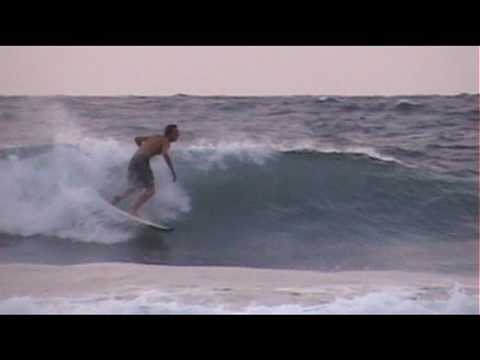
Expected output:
(140, 220)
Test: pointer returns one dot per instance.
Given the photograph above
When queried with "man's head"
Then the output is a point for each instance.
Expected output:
(171, 132)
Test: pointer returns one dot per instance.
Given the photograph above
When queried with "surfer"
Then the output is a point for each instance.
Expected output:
(140, 175)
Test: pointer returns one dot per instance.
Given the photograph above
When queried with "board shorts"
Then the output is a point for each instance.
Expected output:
(140, 175)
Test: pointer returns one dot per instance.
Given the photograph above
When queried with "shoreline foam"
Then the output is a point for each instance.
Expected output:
(109, 288)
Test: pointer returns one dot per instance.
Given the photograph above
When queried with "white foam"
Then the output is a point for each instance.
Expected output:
(371, 152)
(214, 154)
(406, 102)
(53, 195)
(136, 288)
(332, 99)
(386, 301)
(171, 199)
(56, 193)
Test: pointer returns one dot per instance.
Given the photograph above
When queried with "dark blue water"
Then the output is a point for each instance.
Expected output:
(300, 182)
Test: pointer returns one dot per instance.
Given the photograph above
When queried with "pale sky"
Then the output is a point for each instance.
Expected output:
(237, 70)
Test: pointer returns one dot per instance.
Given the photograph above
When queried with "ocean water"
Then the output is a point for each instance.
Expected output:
(315, 183)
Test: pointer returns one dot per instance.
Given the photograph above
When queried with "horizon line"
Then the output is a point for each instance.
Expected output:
(252, 95)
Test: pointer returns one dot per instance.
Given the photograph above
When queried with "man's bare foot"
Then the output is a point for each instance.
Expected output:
(134, 213)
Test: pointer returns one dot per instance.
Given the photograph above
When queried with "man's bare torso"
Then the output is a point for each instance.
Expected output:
(154, 145)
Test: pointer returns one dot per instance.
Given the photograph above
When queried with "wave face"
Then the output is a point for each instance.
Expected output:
(284, 182)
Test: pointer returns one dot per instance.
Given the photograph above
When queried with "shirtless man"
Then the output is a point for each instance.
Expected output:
(140, 174)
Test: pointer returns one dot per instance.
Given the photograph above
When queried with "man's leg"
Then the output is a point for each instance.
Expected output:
(126, 194)
(147, 194)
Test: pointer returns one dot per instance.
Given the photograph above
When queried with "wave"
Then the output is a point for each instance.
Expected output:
(252, 190)
(240, 203)
(408, 105)
(329, 99)
(258, 151)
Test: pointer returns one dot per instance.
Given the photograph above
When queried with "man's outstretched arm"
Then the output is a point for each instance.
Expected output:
(166, 156)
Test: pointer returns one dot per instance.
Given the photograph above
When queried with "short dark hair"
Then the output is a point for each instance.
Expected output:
(169, 128)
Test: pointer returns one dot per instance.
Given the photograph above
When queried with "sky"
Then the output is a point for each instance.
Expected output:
(238, 70)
